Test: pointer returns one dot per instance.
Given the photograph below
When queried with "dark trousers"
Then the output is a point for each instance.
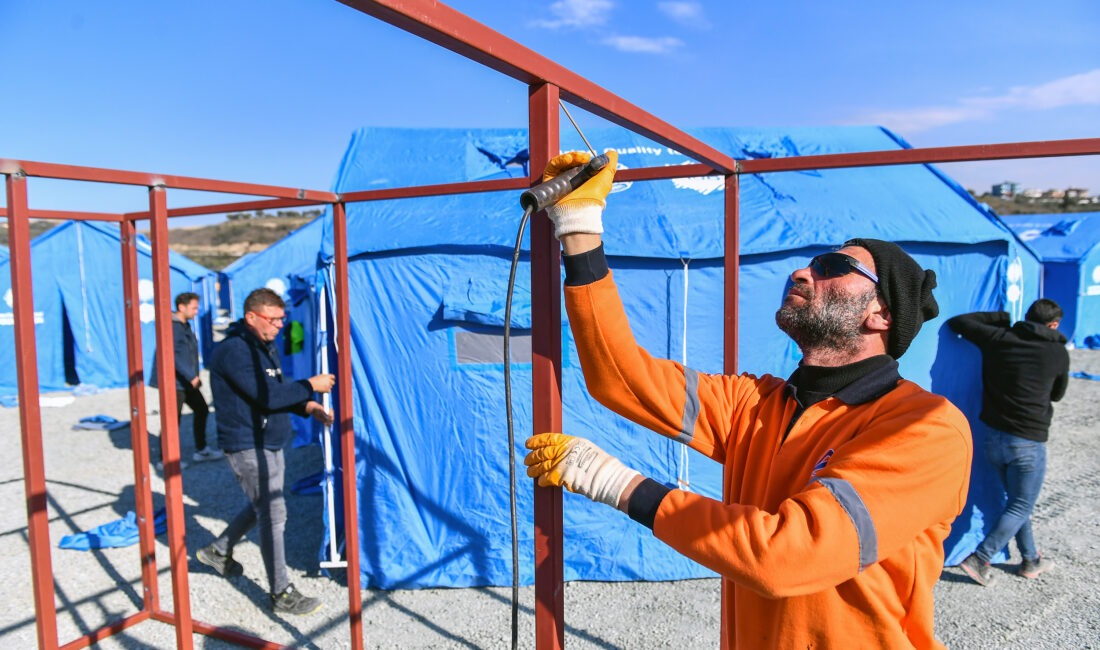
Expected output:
(260, 475)
(193, 398)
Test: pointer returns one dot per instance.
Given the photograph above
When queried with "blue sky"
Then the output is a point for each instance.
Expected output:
(269, 91)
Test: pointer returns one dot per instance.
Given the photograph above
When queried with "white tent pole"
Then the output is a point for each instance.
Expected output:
(83, 287)
(683, 478)
(334, 560)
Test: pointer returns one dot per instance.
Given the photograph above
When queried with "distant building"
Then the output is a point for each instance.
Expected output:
(1053, 196)
(1006, 189)
(1030, 195)
(1076, 196)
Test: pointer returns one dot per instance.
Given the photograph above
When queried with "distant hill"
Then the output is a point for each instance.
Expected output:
(37, 227)
(219, 245)
(215, 246)
(1009, 206)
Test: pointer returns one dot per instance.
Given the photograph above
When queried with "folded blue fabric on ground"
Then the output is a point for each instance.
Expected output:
(100, 422)
(1080, 374)
(121, 532)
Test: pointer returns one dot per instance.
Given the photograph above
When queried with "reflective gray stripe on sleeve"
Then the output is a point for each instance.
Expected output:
(850, 500)
(691, 406)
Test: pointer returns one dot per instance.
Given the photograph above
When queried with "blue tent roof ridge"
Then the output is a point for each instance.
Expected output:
(812, 209)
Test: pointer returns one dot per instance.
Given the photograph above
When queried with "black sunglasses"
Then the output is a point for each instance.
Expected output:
(834, 265)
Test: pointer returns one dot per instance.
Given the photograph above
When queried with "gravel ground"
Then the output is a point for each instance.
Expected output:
(89, 479)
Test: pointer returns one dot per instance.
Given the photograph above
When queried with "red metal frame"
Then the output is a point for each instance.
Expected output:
(546, 377)
(139, 434)
(547, 83)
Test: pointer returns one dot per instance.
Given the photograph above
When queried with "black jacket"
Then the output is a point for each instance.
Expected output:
(185, 347)
(1025, 367)
(253, 399)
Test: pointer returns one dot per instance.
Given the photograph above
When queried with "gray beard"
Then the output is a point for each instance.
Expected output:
(834, 324)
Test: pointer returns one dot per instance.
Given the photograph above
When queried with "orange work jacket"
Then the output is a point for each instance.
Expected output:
(830, 532)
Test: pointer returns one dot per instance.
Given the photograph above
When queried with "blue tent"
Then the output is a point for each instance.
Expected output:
(225, 297)
(427, 287)
(288, 267)
(1069, 246)
(275, 267)
(78, 301)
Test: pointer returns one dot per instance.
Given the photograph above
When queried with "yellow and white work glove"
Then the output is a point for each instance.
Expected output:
(579, 466)
(582, 209)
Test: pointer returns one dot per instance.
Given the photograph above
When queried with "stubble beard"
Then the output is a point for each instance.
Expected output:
(832, 324)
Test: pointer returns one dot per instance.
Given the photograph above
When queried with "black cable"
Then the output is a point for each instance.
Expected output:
(537, 198)
(511, 429)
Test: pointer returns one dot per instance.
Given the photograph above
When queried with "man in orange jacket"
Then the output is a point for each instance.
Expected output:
(840, 482)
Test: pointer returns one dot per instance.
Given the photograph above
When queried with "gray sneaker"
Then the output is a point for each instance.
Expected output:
(1032, 568)
(224, 564)
(203, 455)
(292, 601)
(978, 571)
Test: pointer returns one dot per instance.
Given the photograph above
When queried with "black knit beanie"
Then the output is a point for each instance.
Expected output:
(905, 287)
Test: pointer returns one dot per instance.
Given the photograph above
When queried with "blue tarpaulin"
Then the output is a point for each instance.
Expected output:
(121, 532)
(1068, 244)
(427, 285)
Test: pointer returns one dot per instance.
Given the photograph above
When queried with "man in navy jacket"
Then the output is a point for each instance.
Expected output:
(254, 403)
(1025, 367)
(185, 346)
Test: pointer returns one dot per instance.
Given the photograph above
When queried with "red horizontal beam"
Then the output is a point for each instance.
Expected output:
(517, 184)
(417, 191)
(223, 633)
(659, 173)
(98, 175)
(68, 215)
(244, 206)
(966, 153)
(437, 23)
(107, 630)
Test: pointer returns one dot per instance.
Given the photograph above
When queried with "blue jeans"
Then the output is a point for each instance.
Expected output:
(1021, 465)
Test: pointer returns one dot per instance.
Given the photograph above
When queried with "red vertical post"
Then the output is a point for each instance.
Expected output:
(732, 266)
(542, 106)
(169, 425)
(30, 413)
(346, 418)
(731, 278)
(139, 436)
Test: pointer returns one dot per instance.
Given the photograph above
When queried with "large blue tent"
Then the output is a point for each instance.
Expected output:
(1068, 244)
(78, 300)
(427, 289)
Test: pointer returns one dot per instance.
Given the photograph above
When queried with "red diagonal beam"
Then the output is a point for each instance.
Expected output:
(437, 23)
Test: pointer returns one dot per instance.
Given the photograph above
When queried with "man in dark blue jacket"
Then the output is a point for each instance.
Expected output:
(1025, 367)
(254, 402)
(185, 348)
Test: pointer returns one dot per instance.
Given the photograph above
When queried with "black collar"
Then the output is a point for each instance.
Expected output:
(855, 383)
